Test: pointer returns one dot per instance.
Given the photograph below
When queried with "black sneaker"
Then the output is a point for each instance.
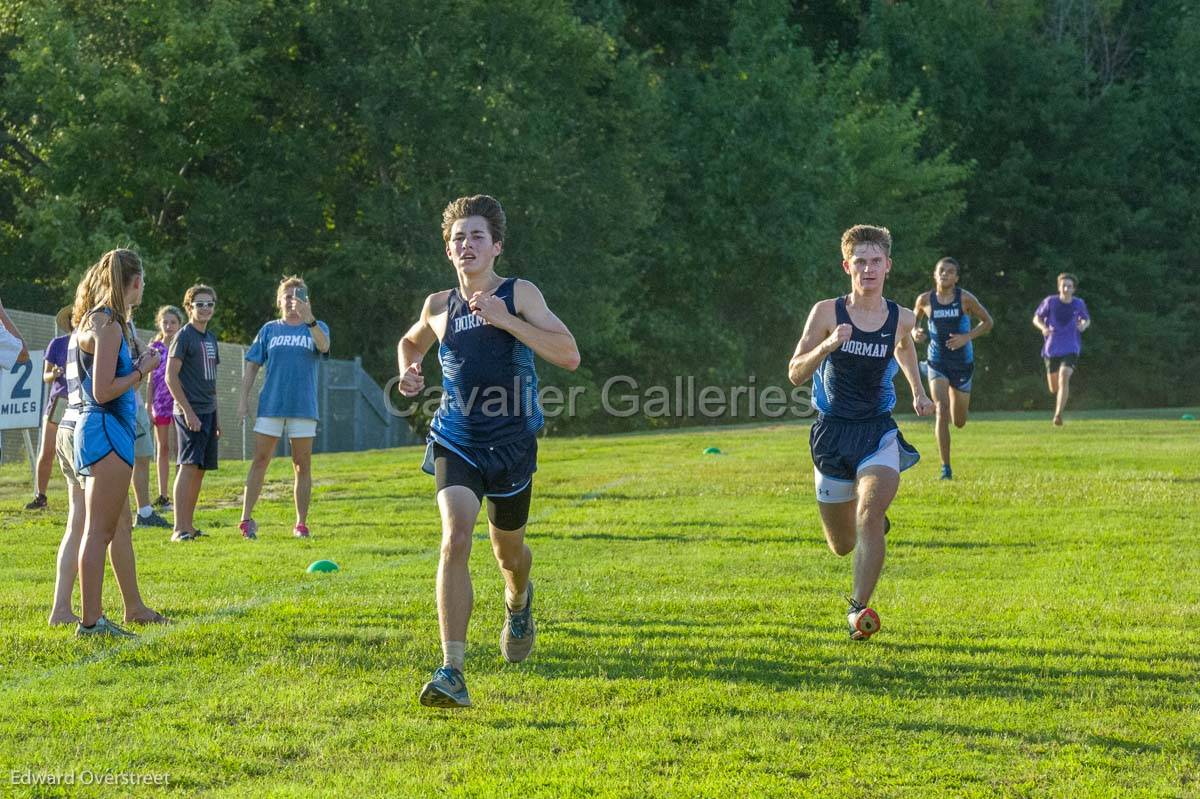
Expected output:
(153, 520)
(38, 503)
(162, 504)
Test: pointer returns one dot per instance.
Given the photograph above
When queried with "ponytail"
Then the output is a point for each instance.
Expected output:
(103, 286)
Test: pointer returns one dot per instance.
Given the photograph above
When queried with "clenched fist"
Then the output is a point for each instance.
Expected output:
(412, 381)
(840, 335)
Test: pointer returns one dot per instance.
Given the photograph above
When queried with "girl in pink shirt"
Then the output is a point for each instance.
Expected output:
(168, 320)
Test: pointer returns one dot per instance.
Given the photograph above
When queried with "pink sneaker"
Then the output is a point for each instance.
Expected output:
(300, 531)
(249, 529)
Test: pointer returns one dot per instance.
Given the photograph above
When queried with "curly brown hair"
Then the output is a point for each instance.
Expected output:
(881, 237)
(477, 205)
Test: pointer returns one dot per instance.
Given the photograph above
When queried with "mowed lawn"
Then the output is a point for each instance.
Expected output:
(1039, 632)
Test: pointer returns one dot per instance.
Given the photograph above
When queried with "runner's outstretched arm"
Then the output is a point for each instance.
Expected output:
(820, 338)
(974, 307)
(906, 356)
(919, 334)
(411, 351)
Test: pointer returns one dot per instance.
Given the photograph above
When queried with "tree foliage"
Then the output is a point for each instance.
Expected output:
(676, 175)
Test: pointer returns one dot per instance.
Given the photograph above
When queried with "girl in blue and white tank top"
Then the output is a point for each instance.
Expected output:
(102, 384)
(101, 427)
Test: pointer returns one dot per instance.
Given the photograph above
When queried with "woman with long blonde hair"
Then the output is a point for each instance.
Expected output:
(102, 381)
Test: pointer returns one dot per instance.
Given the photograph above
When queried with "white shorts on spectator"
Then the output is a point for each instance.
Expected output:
(296, 427)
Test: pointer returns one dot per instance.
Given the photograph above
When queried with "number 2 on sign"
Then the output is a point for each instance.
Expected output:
(23, 371)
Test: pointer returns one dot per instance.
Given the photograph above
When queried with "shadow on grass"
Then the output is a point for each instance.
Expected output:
(709, 533)
(663, 630)
(617, 537)
(821, 656)
(513, 724)
(701, 536)
(903, 543)
(425, 494)
(1042, 739)
(388, 552)
(604, 496)
(365, 638)
(1186, 661)
(689, 523)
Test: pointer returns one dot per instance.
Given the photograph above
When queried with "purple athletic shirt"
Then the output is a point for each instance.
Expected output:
(160, 396)
(1064, 338)
(56, 353)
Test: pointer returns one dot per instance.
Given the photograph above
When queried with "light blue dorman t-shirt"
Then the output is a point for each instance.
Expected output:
(290, 357)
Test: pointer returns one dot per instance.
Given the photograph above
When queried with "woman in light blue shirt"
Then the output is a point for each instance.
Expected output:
(290, 348)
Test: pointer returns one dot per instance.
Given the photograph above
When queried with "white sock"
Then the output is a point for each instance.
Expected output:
(454, 653)
(145, 511)
(514, 603)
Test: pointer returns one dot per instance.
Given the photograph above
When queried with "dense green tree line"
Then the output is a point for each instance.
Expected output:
(676, 174)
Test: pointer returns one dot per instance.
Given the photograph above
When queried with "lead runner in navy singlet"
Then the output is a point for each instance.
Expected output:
(482, 441)
(851, 348)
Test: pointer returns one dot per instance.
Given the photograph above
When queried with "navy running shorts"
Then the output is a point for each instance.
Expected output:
(958, 376)
(502, 474)
(839, 446)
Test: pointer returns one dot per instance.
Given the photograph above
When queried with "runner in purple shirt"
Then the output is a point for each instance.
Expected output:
(1061, 318)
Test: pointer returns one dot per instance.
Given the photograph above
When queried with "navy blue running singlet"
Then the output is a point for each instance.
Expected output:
(855, 381)
(488, 376)
(945, 321)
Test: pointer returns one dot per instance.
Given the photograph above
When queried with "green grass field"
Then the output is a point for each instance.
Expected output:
(1039, 631)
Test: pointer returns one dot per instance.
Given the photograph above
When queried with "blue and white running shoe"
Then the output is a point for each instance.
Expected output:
(446, 689)
(519, 631)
